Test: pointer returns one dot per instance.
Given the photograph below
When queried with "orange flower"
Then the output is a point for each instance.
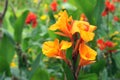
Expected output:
(85, 30)
(55, 49)
(64, 25)
(87, 55)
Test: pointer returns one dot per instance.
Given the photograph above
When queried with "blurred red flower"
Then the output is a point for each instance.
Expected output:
(109, 7)
(109, 44)
(116, 0)
(101, 44)
(31, 19)
(64, 0)
(116, 18)
(53, 5)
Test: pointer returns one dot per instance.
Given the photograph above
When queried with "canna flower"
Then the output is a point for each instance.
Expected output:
(116, 0)
(109, 44)
(87, 55)
(31, 19)
(55, 49)
(101, 44)
(54, 5)
(105, 44)
(116, 18)
(64, 0)
(64, 25)
(85, 30)
(109, 8)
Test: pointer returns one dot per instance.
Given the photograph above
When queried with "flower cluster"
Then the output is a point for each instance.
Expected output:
(79, 33)
(31, 19)
(109, 7)
(103, 45)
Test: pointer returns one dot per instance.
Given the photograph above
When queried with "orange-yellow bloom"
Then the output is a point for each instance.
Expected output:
(85, 30)
(87, 55)
(55, 49)
(64, 25)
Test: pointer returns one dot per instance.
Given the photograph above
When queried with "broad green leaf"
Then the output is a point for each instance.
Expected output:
(97, 66)
(40, 74)
(90, 76)
(35, 66)
(19, 25)
(86, 6)
(104, 75)
(7, 50)
(116, 57)
(67, 72)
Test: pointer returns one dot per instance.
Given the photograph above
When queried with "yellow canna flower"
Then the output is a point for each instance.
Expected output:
(85, 30)
(87, 55)
(13, 65)
(55, 49)
(43, 17)
(64, 25)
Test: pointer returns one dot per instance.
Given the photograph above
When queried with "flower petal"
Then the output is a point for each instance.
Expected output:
(50, 48)
(86, 52)
(53, 27)
(92, 28)
(86, 36)
(65, 44)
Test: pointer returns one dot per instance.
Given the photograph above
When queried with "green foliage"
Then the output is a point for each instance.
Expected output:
(40, 74)
(91, 76)
(19, 25)
(7, 50)
(116, 58)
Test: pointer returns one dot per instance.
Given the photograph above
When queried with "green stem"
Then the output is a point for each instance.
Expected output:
(107, 30)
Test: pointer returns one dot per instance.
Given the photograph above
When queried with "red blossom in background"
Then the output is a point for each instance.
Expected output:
(116, 0)
(101, 44)
(54, 5)
(109, 7)
(116, 18)
(64, 0)
(109, 44)
(31, 19)
(105, 44)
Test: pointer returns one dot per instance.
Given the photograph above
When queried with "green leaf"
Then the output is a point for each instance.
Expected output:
(67, 72)
(116, 57)
(96, 67)
(7, 50)
(19, 25)
(40, 74)
(35, 66)
(91, 76)
(86, 6)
